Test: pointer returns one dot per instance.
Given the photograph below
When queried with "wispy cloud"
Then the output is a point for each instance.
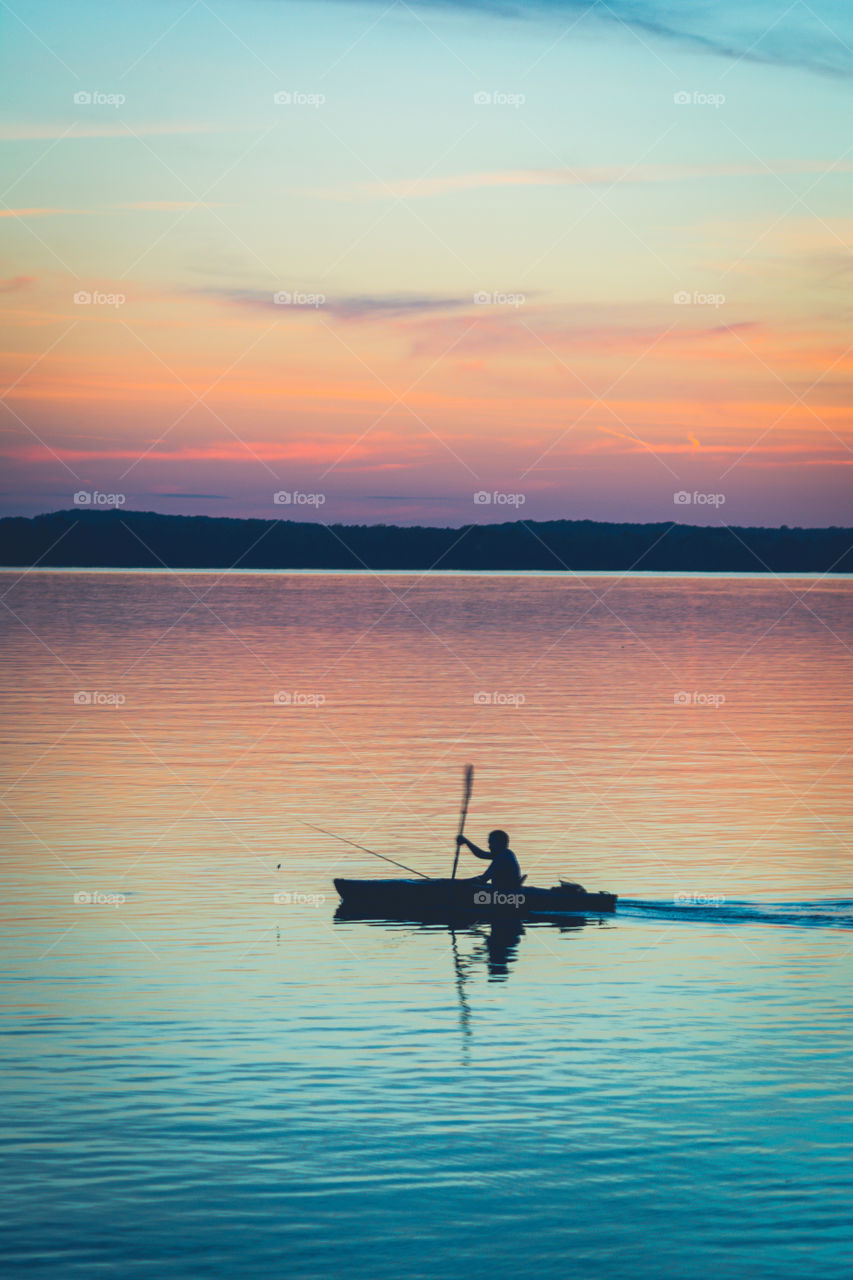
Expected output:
(167, 206)
(351, 307)
(24, 131)
(817, 35)
(833, 267)
(137, 206)
(37, 212)
(594, 330)
(163, 493)
(364, 307)
(584, 176)
(14, 284)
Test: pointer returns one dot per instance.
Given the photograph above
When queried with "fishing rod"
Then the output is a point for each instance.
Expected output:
(332, 836)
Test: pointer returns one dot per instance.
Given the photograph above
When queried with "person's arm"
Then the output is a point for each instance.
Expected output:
(477, 852)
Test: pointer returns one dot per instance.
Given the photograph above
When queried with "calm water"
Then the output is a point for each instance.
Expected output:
(207, 1075)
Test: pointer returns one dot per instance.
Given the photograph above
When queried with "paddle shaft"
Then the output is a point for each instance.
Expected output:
(466, 796)
(332, 836)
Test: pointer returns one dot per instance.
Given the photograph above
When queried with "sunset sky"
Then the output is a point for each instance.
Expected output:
(574, 257)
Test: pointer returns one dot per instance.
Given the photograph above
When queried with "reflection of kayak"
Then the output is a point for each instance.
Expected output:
(415, 899)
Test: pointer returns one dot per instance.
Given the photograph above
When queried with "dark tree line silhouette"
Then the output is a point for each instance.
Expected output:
(147, 540)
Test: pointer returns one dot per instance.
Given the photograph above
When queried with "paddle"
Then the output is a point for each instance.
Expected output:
(466, 796)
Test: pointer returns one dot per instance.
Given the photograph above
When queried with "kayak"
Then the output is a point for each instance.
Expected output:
(420, 899)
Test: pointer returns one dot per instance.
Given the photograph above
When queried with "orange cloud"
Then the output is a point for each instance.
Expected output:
(38, 212)
(139, 206)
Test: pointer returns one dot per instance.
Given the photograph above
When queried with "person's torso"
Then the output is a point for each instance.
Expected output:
(506, 873)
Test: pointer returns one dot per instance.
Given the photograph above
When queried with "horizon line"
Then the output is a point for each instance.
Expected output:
(117, 511)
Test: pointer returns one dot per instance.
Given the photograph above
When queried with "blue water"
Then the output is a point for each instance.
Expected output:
(208, 1075)
(825, 913)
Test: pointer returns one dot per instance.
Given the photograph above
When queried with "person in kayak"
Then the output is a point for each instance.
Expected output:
(504, 874)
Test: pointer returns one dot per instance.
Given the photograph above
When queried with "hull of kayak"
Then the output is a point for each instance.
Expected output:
(422, 899)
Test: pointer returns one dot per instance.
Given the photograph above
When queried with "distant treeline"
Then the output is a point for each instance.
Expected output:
(146, 540)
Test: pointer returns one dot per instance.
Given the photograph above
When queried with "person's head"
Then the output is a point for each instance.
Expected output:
(498, 841)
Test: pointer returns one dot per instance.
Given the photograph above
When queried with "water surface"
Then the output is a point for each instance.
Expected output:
(208, 1075)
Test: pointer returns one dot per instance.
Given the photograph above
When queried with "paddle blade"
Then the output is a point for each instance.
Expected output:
(466, 796)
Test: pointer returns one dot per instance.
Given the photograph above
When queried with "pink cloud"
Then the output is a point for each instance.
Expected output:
(13, 284)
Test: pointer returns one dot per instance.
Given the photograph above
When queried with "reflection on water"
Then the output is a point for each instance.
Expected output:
(499, 939)
(209, 1074)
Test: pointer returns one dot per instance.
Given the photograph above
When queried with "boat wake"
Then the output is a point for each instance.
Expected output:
(826, 913)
